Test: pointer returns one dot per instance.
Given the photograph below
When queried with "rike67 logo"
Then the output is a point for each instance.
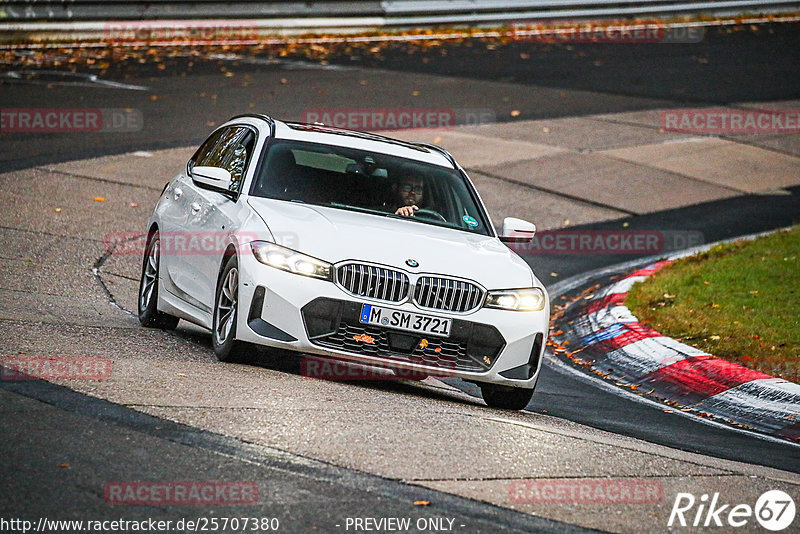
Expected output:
(774, 510)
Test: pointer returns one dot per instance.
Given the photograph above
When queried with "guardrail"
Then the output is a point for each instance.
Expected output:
(51, 20)
(390, 12)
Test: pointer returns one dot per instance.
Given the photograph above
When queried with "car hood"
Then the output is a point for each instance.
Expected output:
(335, 235)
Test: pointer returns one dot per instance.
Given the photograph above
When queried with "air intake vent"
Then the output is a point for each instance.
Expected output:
(373, 282)
(447, 294)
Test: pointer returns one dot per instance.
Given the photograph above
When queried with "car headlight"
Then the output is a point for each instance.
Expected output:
(290, 260)
(530, 299)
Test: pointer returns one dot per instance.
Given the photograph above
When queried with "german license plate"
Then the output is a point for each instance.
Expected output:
(403, 320)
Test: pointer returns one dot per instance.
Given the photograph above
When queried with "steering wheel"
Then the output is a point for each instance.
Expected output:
(430, 214)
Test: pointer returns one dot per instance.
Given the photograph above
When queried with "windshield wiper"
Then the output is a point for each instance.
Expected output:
(441, 224)
(359, 208)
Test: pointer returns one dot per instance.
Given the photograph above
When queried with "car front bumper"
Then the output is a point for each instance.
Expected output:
(281, 309)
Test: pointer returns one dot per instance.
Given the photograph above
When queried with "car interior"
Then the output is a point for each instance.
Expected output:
(351, 179)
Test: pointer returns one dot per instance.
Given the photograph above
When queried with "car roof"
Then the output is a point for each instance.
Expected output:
(329, 135)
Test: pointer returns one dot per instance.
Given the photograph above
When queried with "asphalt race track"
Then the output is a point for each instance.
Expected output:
(185, 95)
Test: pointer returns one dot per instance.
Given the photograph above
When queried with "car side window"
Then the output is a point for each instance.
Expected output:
(204, 152)
(230, 149)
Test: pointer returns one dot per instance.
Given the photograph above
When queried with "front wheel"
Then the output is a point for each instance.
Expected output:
(506, 398)
(226, 309)
(149, 315)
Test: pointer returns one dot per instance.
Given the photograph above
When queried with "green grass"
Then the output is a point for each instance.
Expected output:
(739, 301)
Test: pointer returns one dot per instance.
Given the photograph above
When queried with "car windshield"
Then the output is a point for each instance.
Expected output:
(368, 182)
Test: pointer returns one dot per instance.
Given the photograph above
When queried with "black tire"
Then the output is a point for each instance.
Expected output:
(506, 398)
(226, 311)
(149, 316)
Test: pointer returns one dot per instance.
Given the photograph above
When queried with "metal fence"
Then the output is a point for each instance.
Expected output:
(347, 13)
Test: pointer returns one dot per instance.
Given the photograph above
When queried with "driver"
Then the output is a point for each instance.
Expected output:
(410, 194)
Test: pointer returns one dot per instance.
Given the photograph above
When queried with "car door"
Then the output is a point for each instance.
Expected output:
(174, 218)
(214, 216)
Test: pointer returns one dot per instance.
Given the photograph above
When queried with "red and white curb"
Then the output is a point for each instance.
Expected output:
(598, 332)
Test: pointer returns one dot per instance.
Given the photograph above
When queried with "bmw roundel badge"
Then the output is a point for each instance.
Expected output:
(412, 263)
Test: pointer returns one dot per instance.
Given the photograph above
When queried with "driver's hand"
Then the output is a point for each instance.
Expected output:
(406, 211)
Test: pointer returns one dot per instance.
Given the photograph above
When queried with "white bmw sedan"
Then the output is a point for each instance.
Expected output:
(348, 245)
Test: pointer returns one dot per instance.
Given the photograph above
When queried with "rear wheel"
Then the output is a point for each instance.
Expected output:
(148, 289)
(506, 398)
(226, 307)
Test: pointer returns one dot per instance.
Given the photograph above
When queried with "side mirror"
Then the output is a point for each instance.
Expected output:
(517, 231)
(214, 178)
